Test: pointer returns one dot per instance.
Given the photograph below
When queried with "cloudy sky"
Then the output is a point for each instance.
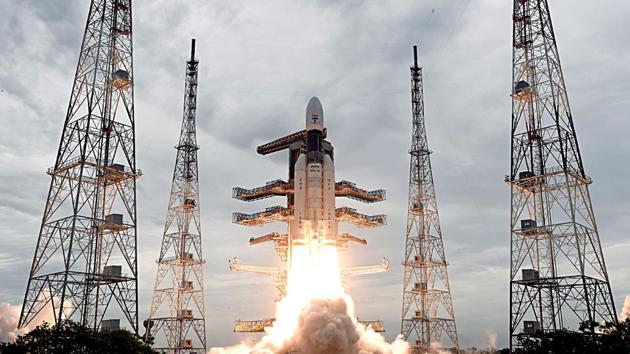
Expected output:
(260, 63)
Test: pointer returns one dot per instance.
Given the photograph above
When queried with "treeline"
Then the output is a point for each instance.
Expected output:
(613, 338)
(72, 338)
(609, 338)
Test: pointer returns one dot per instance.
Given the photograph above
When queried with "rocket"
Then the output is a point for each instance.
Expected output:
(310, 214)
(314, 217)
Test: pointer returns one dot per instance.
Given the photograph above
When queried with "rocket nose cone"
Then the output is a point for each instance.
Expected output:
(314, 114)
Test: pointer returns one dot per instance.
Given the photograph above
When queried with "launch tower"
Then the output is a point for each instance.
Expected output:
(177, 323)
(85, 264)
(558, 276)
(427, 312)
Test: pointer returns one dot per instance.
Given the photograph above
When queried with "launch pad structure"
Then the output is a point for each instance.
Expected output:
(558, 275)
(85, 266)
(177, 320)
(85, 262)
(428, 316)
(310, 211)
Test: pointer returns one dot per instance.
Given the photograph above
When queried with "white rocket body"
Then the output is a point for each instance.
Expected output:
(313, 228)
(314, 217)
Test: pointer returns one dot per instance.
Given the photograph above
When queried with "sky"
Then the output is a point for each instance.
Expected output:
(260, 62)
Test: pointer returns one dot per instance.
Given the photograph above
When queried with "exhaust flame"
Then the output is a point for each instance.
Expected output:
(316, 315)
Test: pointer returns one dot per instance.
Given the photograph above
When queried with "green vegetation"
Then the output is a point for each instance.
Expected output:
(70, 338)
(611, 338)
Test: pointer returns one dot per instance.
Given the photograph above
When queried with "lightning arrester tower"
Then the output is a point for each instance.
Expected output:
(558, 275)
(427, 312)
(177, 317)
(85, 265)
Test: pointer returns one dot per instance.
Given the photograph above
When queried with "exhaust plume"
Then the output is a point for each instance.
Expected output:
(9, 317)
(325, 326)
(491, 336)
(625, 312)
(317, 316)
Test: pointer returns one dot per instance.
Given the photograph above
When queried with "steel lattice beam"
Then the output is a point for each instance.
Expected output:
(558, 275)
(177, 321)
(427, 312)
(85, 264)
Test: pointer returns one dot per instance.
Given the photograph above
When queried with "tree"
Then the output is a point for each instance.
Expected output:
(72, 338)
(616, 337)
(609, 338)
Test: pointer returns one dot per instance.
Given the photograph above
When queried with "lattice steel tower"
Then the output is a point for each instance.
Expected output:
(427, 312)
(177, 320)
(558, 274)
(85, 260)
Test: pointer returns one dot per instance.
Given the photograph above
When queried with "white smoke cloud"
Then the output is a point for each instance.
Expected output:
(326, 326)
(9, 317)
(625, 312)
(436, 348)
(237, 349)
(491, 338)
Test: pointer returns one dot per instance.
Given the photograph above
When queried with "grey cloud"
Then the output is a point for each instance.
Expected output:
(260, 62)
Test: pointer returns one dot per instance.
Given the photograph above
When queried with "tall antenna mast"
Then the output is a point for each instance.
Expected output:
(177, 321)
(427, 311)
(558, 276)
(85, 264)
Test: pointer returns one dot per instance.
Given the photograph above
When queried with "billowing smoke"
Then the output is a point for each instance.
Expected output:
(436, 348)
(625, 312)
(237, 349)
(325, 326)
(316, 316)
(9, 316)
(491, 338)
